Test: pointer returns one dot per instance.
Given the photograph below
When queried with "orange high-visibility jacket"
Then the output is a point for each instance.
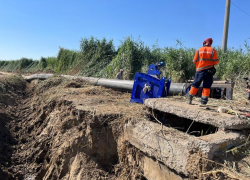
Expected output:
(205, 58)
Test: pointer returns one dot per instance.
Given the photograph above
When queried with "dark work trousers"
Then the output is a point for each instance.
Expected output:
(203, 76)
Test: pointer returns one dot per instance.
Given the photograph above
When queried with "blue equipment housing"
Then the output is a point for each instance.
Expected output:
(150, 85)
(154, 70)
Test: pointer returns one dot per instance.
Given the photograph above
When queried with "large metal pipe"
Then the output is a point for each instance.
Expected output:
(177, 89)
(37, 76)
(125, 85)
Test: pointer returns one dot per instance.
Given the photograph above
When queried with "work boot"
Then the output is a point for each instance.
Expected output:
(189, 98)
(204, 100)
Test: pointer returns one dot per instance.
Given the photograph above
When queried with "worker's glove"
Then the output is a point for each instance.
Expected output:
(211, 71)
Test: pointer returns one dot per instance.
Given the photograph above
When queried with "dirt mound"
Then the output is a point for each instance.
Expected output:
(50, 83)
(63, 131)
(67, 129)
(77, 83)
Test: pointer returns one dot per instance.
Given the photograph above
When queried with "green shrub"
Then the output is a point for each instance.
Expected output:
(66, 60)
(95, 56)
(51, 63)
(132, 56)
(43, 63)
(179, 63)
(25, 62)
(99, 58)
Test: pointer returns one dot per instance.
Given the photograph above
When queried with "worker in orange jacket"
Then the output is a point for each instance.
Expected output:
(205, 58)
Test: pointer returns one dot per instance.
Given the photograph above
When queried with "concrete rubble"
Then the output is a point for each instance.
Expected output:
(178, 150)
(198, 114)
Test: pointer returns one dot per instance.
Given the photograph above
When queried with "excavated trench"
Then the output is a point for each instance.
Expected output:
(68, 129)
(62, 129)
(183, 124)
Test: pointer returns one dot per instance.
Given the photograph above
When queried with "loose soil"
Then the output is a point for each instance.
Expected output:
(62, 129)
(69, 129)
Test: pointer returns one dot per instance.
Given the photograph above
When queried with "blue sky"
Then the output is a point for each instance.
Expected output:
(35, 28)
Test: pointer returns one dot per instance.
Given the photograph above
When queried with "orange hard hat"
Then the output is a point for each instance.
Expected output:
(209, 41)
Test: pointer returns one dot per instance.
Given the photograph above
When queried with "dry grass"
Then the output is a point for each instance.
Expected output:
(223, 171)
(99, 101)
(95, 99)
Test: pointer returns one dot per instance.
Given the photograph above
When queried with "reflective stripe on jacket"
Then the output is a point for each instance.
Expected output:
(205, 58)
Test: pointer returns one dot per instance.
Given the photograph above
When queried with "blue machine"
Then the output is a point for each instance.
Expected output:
(154, 70)
(150, 85)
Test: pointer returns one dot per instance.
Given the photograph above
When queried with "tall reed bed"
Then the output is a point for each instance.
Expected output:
(99, 58)
(95, 55)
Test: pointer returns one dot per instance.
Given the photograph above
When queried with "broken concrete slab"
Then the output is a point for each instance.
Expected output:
(178, 150)
(198, 114)
(156, 171)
